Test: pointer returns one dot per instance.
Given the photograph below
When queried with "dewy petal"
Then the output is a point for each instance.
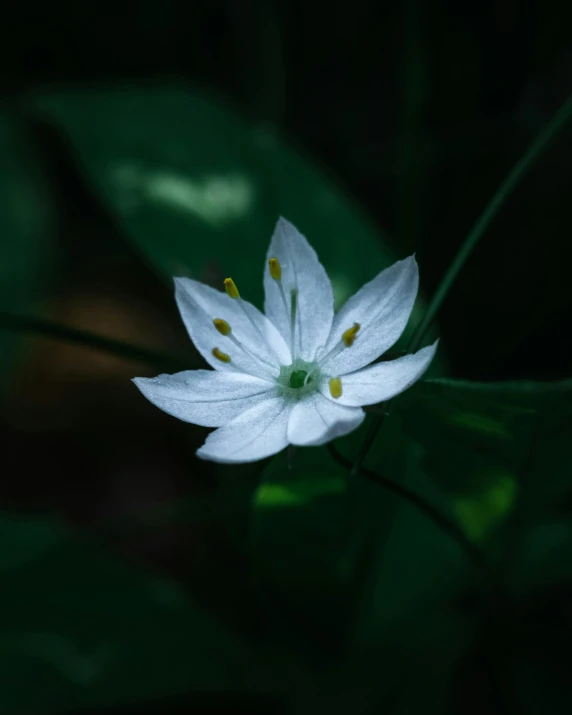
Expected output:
(383, 380)
(316, 420)
(200, 304)
(205, 397)
(301, 269)
(253, 435)
(382, 308)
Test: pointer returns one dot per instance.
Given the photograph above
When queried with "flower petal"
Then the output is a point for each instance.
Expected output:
(253, 435)
(301, 269)
(383, 380)
(316, 420)
(205, 397)
(200, 304)
(382, 308)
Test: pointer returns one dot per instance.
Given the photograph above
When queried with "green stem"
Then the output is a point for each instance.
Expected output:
(560, 119)
(475, 555)
(56, 331)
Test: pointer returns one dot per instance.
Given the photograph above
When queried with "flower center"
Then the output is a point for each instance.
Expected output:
(298, 379)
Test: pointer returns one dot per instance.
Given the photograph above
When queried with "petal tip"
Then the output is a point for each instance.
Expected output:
(201, 454)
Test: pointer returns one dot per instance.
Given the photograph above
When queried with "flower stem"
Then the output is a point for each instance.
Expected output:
(476, 556)
(57, 331)
(558, 121)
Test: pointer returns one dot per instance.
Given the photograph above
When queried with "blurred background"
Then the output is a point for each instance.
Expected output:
(160, 139)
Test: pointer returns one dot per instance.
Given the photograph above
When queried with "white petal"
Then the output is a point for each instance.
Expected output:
(301, 269)
(253, 435)
(382, 308)
(383, 380)
(205, 397)
(316, 420)
(200, 304)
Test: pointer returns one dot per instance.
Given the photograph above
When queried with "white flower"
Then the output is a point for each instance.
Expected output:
(299, 374)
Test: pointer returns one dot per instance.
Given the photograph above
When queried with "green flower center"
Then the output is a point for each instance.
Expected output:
(299, 378)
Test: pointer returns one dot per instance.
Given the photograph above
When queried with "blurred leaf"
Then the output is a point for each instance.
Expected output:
(366, 576)
(79, 628)
(416, 567)
(478, 436)
(28, 538)
(373, 569)
(544, 555)
(25, 222)
(199, 189)
(497, 449)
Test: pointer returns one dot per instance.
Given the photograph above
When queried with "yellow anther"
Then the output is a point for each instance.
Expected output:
(222, 326)
(335, 387)
(219, 355)
(275, 269)
(231, 289)
(350, 335)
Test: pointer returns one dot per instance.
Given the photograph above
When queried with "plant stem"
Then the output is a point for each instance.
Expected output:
(558, 121)
(57, 331)
(475, 555)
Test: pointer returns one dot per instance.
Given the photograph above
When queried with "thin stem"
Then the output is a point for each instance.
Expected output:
(57, 331)
(367, 444)
(562, 116)
(560, 119)
(475, 555)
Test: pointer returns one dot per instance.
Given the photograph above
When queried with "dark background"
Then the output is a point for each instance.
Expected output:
(418, 110)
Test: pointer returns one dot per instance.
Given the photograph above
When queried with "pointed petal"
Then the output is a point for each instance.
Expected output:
(316, 420)
(382, 308)
(200, 304)
(383, 380)
(301, 269)
(253, 435)
(205, 397)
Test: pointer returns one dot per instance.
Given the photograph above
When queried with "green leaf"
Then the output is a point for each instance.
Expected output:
(501, 451)
(480, 436)
(28, 539)
(198, 188)
(25, 222)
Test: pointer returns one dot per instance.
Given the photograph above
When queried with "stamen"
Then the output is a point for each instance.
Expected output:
(232, 292)
(293, 306)
(219, 355)
(335, 387)
(348, 338)
(224, 329)
(350, 335)
(275, 268)
(222, 326)
(231, 289)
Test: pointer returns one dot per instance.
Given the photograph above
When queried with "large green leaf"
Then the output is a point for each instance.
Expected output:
(499, 449)
(24, 228)
(198, 189)
(477, 433)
